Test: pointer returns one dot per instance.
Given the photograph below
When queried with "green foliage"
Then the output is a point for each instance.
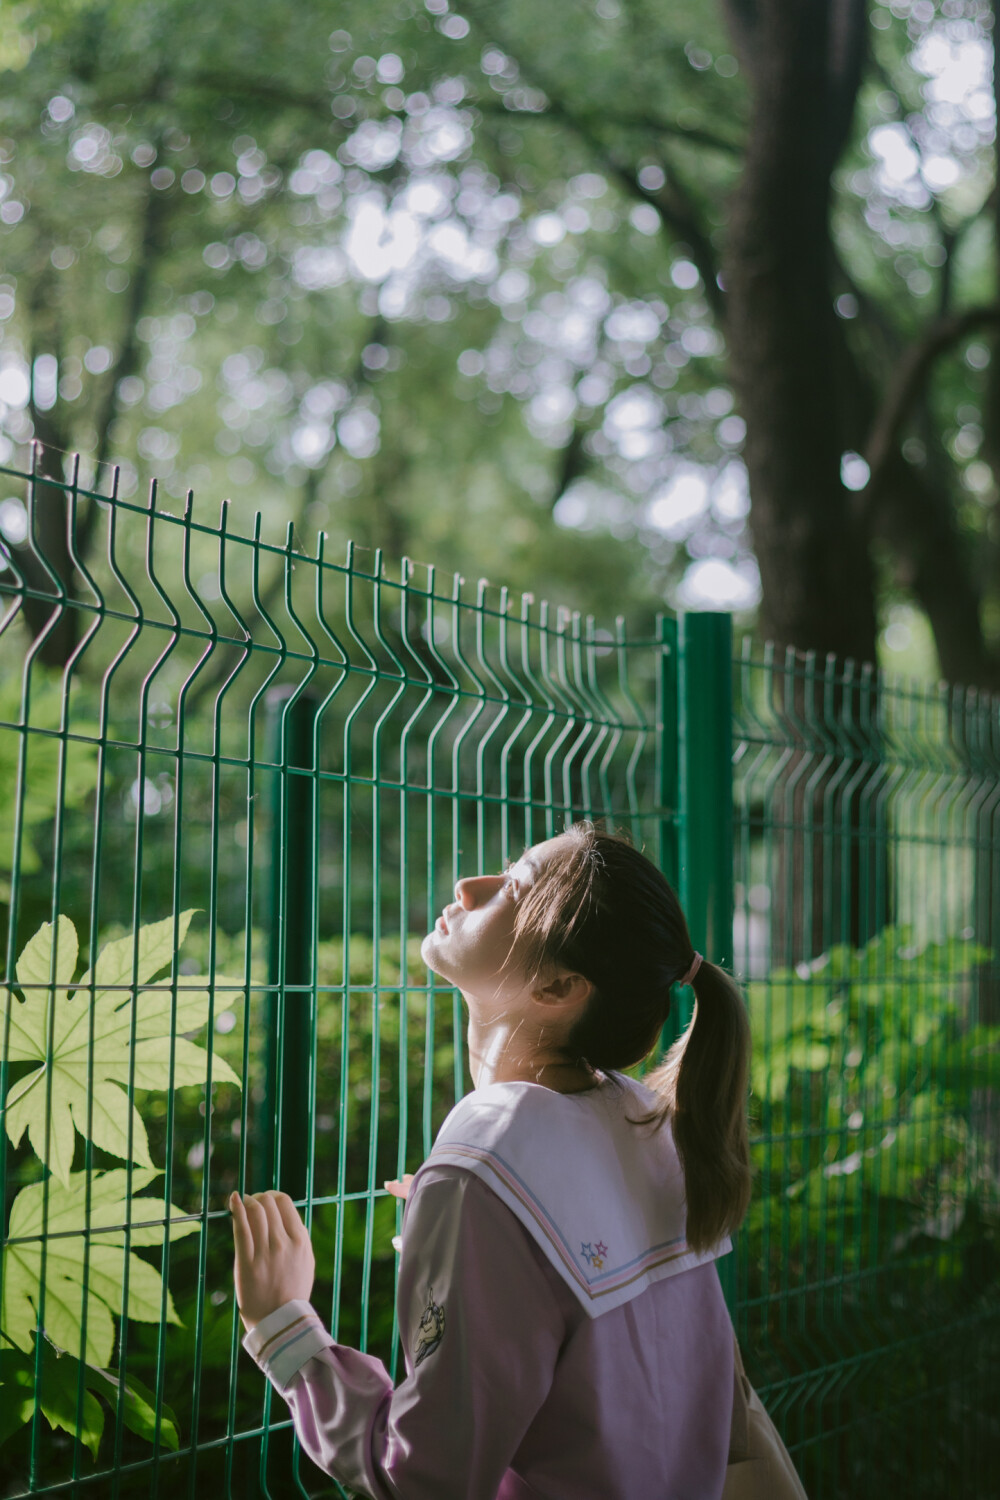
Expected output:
(93, 1037)
(457, 406)
(61, 1379)
(41, 783)
(863, 1067)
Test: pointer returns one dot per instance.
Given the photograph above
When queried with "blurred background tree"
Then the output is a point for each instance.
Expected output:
(625, 305)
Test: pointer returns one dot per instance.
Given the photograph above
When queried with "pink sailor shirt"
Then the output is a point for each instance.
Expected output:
(560, 1339)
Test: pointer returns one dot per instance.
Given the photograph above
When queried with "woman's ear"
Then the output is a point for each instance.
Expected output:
(563, 988)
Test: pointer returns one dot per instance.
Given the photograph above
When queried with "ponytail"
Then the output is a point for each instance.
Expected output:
(703, 1081)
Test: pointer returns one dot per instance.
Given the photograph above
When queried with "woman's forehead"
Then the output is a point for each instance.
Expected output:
(534, 860)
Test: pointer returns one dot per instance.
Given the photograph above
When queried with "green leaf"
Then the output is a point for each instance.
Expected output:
(155, 1005)
(17, 1392)
(62, 1377)
(58, 1399)
(93, 1061)
(35, 963)
(139, 1404)
(65, 1296)
(150, 952)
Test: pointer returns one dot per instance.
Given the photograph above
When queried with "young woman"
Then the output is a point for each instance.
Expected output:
(563, 1326)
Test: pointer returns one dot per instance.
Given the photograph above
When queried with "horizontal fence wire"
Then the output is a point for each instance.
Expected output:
(867, 877)
(242, 789)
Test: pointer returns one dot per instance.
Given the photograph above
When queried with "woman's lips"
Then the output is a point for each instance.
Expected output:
(441, 923)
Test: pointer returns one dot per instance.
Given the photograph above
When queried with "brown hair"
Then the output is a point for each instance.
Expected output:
(598, 906)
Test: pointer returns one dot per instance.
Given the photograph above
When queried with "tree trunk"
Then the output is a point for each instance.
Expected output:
(817, 577)
(804, 58)
(64, 527)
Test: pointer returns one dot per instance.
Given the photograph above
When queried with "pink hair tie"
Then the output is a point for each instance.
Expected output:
(695, 966)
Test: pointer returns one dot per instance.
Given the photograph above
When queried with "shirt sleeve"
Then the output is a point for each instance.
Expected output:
(481, 1334)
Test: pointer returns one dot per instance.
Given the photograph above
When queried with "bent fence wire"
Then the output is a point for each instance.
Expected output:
(239, 782)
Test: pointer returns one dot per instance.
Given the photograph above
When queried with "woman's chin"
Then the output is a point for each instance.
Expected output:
(428, 951)
(436, 961)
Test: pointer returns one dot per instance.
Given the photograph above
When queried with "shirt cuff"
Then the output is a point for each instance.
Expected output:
(282, 1342)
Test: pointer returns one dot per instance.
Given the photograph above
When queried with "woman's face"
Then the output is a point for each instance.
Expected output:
(472, 937)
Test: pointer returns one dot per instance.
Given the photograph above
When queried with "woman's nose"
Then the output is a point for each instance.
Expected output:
(469, 889)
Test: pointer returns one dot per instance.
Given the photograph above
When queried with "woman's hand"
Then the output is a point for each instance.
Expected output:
(399, 1187)
(274, 1255)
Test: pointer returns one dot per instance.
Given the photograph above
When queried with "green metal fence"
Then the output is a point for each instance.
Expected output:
(239, 782)
(866, 864)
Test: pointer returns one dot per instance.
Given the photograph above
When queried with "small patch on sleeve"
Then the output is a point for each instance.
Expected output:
(431, 1330)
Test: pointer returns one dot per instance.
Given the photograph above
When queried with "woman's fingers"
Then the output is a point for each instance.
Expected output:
(242, 1232)
(262, 1222)
(257, 1218)
(289, 1215)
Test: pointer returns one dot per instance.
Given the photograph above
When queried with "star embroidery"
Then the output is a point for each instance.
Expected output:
(598, 1263)
(586, 1251)
(601, 1247)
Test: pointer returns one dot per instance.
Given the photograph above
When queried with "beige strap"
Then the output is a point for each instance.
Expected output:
(760, 1466)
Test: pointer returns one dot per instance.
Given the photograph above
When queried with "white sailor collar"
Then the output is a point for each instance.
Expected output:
(601, 1197)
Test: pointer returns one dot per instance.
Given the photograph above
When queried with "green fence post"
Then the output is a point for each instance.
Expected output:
(667, 779)
(285, 1123)
(705, 798)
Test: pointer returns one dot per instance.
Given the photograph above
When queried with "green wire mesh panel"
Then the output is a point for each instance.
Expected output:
(239, 785)
(867, 868)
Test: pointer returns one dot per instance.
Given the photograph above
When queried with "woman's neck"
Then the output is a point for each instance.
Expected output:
(496, 1066)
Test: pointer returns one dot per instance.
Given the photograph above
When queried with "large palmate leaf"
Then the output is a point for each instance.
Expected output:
(93, 1057)
(66, 1239)
(62, 1376)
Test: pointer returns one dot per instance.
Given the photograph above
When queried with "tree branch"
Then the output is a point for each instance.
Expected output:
(689, 134)
(908, 381)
